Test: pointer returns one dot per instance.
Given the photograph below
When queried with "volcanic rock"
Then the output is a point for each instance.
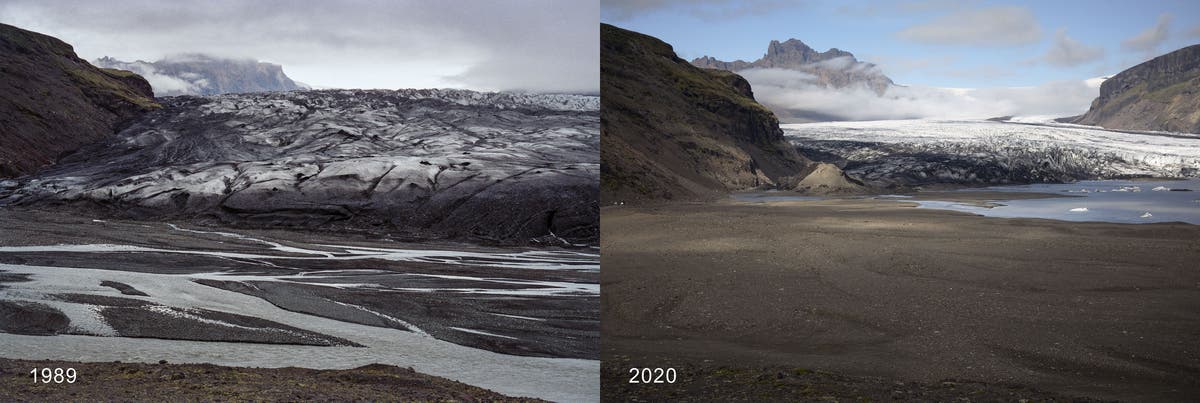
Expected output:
(671, 130)
(1162, 94)
(52, 102)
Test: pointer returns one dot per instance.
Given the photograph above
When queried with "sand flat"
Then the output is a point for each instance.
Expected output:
(881, 288)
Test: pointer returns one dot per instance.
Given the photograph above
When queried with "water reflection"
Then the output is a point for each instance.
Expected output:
(1108, 201)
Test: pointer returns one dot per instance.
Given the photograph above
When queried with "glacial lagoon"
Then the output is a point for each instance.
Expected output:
(1119, 201)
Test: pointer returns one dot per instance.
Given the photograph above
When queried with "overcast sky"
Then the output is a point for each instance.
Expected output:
(522, 45)
(958, 58)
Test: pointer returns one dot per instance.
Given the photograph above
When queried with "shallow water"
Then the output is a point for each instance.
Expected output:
(560, 379)
(772, 196)
(1119, 201)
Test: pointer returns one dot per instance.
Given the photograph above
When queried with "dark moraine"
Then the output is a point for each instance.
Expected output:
(22, 317)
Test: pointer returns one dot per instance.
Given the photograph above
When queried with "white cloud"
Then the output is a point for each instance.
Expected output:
(902, 64)
(1149, 40)
(1194, 32)
(164, 85)
(1067, 51)
(787, 90)
(996, 26)
(709, 10)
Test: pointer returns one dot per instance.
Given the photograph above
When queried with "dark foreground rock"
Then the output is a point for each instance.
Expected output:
(676, 131)
(500, 168)
(204, 382)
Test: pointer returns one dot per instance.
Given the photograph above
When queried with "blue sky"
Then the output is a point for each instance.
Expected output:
(937, 43)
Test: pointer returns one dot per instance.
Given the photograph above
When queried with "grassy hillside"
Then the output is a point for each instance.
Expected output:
(1161, 94)
(52, 102)
(670, 130)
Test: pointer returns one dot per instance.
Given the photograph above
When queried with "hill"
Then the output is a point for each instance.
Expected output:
(53, 102)
(674, 131)
(1162, 94)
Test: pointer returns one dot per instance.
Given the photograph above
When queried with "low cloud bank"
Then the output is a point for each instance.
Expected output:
(793, 95)
(163, 84)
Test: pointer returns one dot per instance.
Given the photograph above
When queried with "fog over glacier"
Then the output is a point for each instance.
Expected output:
(783, 90)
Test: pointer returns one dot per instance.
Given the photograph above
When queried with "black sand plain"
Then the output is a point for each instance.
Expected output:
(750, 300)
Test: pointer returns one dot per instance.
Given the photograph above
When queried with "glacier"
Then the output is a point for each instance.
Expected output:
(917, 152)
(507, 168)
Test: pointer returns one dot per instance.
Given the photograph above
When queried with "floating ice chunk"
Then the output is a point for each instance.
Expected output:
(1080, 209)
(1147, 215)
(1161, 189)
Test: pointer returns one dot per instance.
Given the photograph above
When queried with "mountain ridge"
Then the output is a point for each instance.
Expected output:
(674, 131)
(833, 68)
(201, 74)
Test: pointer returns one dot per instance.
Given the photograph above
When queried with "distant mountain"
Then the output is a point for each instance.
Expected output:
(197, 74)
(52, 102)
(834, 68)
(1162, 94)
(671, 130)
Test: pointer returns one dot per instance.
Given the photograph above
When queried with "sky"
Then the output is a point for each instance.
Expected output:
(520, 45)
(965, 44)
(972, 58)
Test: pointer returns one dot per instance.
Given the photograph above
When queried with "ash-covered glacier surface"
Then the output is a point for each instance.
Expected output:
(415, 164)
(911, 153)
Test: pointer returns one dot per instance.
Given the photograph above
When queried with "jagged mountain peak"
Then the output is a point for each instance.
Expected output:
(833, 68)
(796, 50)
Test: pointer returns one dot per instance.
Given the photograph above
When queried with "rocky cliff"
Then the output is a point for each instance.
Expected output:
(197, 74)
(671, 130)
(52, 102)
(834, 68)
(1162, 94)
